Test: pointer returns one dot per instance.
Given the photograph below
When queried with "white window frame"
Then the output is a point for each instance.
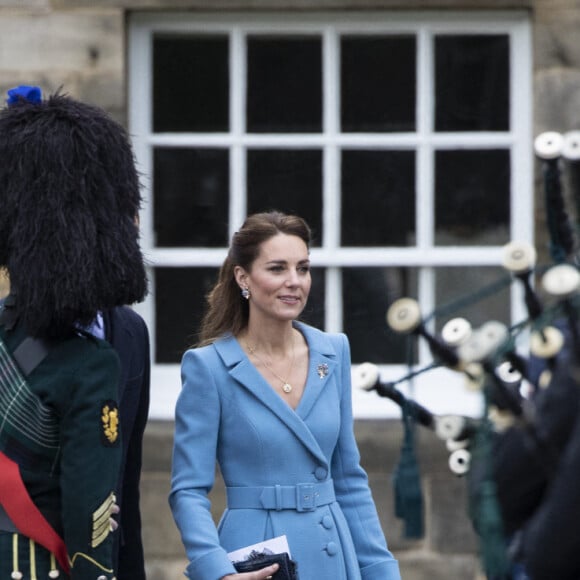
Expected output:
(427, 389)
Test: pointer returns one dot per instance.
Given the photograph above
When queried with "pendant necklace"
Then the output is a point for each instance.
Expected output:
(286, 386)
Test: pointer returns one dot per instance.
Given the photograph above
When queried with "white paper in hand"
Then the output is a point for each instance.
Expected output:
(276, 545)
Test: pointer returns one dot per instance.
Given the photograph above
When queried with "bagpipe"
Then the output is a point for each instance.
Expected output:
(530, 395)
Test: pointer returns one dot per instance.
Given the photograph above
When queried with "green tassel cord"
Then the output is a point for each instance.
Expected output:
(407, 483)
(484, 509)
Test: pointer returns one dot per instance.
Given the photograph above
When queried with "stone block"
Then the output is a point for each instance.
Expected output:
(105, 90)
(158, 446)
(301, 4)
(87, 41)
(160, 536)
(556, 41)
(415, 566)
(450, 529)
(379, 443)
(24, 3)
(557, 100)
(157, 569)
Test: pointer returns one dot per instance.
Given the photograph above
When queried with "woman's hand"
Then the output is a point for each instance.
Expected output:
(262, 574)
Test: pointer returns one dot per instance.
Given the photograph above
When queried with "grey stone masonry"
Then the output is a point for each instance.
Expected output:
(447, 551)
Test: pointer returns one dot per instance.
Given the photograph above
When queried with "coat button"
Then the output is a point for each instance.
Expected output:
(331, 549)
(320, 473)
(327, 522)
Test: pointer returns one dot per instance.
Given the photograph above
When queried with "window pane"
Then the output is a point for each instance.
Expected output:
(367, 295)
(489, 285)
(190, 197)
(472, 199)
(313, 314)
(378, 83)
(472, 83)
(378, 198)
(190, 83)
(284, 84)
(287, 180)
(179, 306)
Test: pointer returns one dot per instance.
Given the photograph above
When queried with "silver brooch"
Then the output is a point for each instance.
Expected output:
(322, 370)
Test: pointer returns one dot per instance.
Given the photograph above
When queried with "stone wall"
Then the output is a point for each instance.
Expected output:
(448, 550)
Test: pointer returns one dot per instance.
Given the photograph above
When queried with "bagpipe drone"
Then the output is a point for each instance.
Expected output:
(511, 453)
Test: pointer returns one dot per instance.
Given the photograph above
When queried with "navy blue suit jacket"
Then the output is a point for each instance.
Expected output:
(128, 334)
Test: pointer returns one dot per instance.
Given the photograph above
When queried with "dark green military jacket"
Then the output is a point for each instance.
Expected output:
(60, 425)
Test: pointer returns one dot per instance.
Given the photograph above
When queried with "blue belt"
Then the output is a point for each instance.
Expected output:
(303, 497)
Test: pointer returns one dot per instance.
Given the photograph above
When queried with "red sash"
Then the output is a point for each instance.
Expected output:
(25, 515)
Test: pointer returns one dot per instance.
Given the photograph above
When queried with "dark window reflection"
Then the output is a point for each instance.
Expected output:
(472, 197)
(367, 295)
(314, 312)
(478, 294)
(287, 180)
(190, 83)
(378, 198)
(378, 83)
(284, 84)
(472, 83)
(191, 197)
(179, 306)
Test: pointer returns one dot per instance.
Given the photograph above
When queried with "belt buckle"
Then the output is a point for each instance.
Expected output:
(305, 497)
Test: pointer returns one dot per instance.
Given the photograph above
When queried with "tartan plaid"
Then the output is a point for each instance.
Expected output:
(29, 430)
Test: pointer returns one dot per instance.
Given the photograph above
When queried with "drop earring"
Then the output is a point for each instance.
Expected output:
(246, 293)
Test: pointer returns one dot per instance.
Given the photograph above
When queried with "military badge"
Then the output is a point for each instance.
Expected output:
(101, 521)
(110, 423)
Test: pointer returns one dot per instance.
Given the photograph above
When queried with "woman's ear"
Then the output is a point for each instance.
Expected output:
(240, 275)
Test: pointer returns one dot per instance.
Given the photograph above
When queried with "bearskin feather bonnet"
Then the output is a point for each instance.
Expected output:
(69, 199)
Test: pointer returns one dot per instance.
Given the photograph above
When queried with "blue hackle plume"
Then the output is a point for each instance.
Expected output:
(29, 93)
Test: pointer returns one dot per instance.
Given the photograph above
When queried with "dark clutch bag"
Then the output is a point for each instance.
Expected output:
(257, 561)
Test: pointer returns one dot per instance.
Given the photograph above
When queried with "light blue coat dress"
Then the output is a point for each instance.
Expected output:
(298, 469)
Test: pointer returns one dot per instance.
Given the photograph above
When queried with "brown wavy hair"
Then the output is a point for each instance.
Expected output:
(227, 312)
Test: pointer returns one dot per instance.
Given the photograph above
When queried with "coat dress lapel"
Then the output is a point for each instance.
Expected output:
(321, 367)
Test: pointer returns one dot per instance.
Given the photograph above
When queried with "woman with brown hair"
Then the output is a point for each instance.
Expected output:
(270, 398)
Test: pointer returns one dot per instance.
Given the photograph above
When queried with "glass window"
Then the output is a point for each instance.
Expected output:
(368, 293)
(393, 134)
(179, 303)
(378, 83)
(190, 195)
(378, 198)
(287, 180)
(284, 84)
(472, 82)
(190, 83)
(314, 312)
(472, 197)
